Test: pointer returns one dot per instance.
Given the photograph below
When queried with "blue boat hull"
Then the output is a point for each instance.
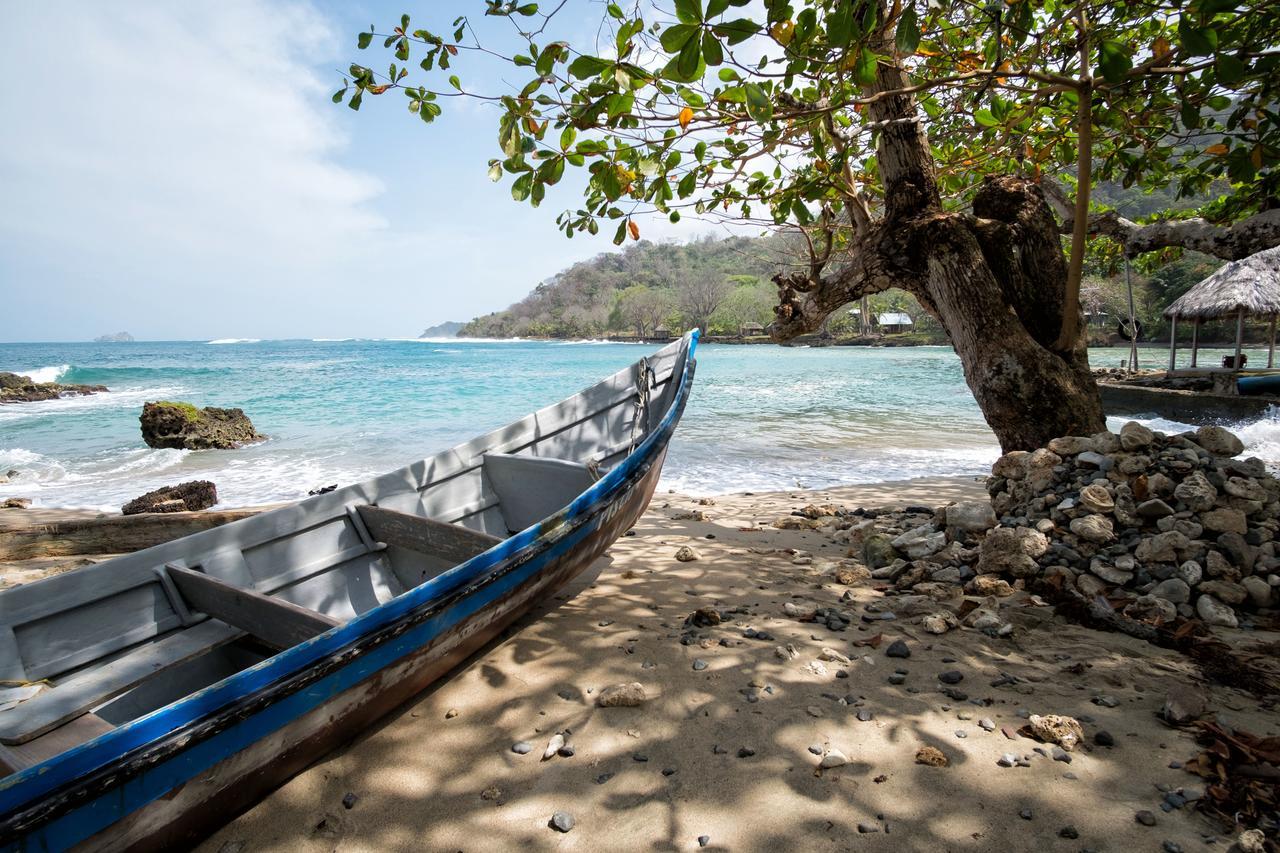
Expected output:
(172, 777)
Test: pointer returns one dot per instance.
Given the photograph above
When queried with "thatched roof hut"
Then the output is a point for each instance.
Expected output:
(1249, 286)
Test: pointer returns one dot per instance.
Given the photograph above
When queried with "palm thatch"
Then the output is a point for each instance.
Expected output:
(1251, 284)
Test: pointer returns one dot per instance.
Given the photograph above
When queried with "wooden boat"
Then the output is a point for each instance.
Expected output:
(189, 679)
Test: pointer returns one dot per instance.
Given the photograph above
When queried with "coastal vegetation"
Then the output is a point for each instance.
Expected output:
(908, 145)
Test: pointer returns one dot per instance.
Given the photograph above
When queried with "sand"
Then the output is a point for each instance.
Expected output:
(441, 775)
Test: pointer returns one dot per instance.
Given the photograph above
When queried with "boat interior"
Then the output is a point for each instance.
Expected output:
(92, 649)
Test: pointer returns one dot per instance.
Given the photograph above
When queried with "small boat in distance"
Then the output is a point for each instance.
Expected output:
(147, 699)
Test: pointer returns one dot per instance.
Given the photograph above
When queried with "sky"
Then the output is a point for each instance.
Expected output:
(178, 171)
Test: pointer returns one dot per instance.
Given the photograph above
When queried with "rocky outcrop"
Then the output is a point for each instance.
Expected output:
(184, 427)
(116, 338)
(184, 497)
(21, 389)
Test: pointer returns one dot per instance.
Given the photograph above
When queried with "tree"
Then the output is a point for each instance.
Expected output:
(645, 308)
(910, 144)
(749, 302)
(698, 297)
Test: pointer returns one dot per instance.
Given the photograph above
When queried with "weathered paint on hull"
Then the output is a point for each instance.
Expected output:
(196, 807)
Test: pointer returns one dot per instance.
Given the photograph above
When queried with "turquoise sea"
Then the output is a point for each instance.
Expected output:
(761, 417)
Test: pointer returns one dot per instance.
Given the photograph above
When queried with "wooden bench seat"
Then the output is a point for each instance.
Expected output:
(425, 535)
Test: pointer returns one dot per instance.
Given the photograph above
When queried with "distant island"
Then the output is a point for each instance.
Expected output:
(443, 330)
(117, 338)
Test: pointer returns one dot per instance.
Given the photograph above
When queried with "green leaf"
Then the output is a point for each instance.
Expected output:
(521, 60)
(674, 217)
(728, 75)
(985, 118)
(1114, 60)
(689, 11)
(711, 49)
(1190, 115)
(495, 171)
(354, 103)
(716, 7)
(455, 82)
(688, 59)
(907, 36)
(1200, 41)
(865, 71)
(674, 38)
(738, 31)
(587, 66)
(759, 107)
(567, 136)
(615, 11)
(1230, 69)
(522, 187)
(840, 25)
(528, 9)
(363, 40)
(338, 95)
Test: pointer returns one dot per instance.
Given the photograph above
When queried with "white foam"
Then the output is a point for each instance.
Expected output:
(235, 341)
(85, 403)
(46, 374)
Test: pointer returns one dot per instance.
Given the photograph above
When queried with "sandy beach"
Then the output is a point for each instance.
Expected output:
(725, 752)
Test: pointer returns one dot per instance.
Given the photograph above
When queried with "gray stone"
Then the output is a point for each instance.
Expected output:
(1106, 442)
(1096, 498)
(522, 747)
(1110, 573)
(1093, 528)
(1173, 590)
(1070, 445)
(1190, 573)
(1149, 608)
(1161, 548)
(1224, 520)
(971, 516)
(1259, 590)
(898, 649)
(1182, 704)
(1196, 492)
(1218, 566)
(1011, 466)
(1154, 508)
(833, 758)
(1134, 436)
(1012, 550)
(1247, 489)
(1089, 459)
(562, 821)
(1214, 612)
(1225, 591)
(1218, 441)
(920, 542)
(877, 551)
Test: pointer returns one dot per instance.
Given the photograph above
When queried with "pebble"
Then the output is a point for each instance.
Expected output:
(951, 676)
(864, 716)
(451, 713)
(1171, 847)
(522, 747)
(562, 821)
(1145, 818)
(1026, 814)
(867, 828)
(1103, 738)
(898, 649)
(746, 752)
(961, 733)
(834, 758)
(897, 678)
(986, 724)
(1060, 754)
(668, 771)
(603, 777)
(1068, 831)
(1007, 760)
(699, 665)
(566, 751)
(815, 748)
(349, 801)
(704, 840)
(640, 757)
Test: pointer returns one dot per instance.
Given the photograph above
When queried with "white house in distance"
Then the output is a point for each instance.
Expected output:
(891, 322)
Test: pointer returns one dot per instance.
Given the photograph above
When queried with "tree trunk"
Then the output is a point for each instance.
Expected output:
(996, 280)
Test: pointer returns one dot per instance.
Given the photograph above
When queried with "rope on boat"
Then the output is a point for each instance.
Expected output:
(645, 378)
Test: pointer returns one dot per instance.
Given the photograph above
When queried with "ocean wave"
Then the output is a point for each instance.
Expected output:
(86, 403)
(459, 340)
(235, 341)
(51, 373)
(331, 340)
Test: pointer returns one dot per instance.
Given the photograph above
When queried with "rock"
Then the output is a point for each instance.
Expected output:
(851, 574)
(1228, 592)
(1224, 520)
(185, 497)
(699, 664)
(1161, 548)
(1252, 841)
(1183, 704)
(183, 426)
(553, 746)
(1011, 466)
(1259, 590)
(931, 757)
(1096, 461)
(349, 801)
(1071, 445)
(1012, 550)
(1154, 509)
(1149, 608)
(15, 503)
(1096, 498)
(833, 656)
(685, 554)
(941, 623)
(951, 676)
(877, 551)
(21, 389)
(1245, 489)
(1106, 442)
(1214, 612)
(1190, 573)
(988, 585)
(1218, 441)
(920, 542)
(1145, 818)
(114, 338)
(1104, 738)
(451, 713)
(1066, 732)
(1134, 436)
(1093, 528)
(833, 758)
(562, 821)
(627, 695)
(522, 747)
(898, 649)
(1218, 566)
(971, 516)
(1172, 590)
(1196, 492)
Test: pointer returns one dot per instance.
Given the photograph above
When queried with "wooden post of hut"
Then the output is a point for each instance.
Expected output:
(1195, 340)
(1271, 350)
(1173, 342)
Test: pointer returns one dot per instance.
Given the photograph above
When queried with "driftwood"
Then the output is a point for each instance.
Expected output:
(31, 534)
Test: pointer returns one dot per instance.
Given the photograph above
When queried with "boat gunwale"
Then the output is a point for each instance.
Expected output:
(293, 669)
